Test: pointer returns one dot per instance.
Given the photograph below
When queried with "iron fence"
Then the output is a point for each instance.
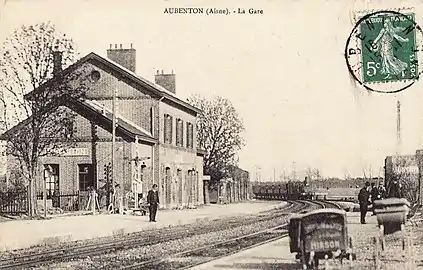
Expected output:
(14, 202)
(65, 201)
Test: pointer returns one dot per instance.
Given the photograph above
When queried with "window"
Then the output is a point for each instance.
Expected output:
(179, 132)
(142, 172)
(152, 120)
(190, 137)
(168, 183)
(51, 177)
(69, 128)
(168, 128)
(86, 177)
(95, 76)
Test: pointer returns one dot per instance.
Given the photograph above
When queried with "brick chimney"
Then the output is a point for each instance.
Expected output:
(124, 57)
(166, 80)
(57, 60)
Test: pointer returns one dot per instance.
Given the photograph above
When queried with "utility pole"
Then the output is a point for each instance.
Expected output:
(398, 128)
(113, 144)
(294, 171)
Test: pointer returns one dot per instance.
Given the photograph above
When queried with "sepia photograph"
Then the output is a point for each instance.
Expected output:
(211, 134)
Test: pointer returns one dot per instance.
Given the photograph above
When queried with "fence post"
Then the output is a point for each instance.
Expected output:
(44, 198)
(28, 197)
(93, 200)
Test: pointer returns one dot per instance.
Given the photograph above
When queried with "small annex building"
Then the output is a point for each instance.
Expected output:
(155, 137)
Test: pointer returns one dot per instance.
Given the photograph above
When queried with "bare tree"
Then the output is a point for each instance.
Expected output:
(347, 174)
(219, 133)
(42, 124)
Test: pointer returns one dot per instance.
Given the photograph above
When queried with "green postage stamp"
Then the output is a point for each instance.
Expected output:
(383, 49)
(389, 50)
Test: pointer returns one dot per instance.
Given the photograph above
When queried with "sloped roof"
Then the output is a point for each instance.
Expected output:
(155, 89)
(92, 111)
(103, 118)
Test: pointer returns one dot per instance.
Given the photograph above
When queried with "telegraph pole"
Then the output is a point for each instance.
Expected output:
(113, 145)
(398, 128)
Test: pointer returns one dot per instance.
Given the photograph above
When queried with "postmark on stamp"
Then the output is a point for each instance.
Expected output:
(384, 51)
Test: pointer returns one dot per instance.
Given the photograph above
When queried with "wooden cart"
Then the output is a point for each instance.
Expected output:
(391, 217)
(320, 234)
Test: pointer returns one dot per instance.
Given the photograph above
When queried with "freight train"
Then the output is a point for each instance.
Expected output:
(292, 190)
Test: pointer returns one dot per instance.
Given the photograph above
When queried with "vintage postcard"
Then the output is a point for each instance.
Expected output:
(180, 134)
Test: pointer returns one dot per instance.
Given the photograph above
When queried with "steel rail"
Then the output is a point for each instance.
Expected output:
(274, 232)
(140, 239)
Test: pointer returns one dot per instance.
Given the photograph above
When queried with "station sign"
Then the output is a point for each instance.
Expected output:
(72, 152)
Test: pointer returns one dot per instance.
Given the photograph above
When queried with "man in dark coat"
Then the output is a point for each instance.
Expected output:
(395, 190)
(363, 198)
(373, 192)
(153, 202)
(381, 192)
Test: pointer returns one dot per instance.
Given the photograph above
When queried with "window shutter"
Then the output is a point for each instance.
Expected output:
(168, 129)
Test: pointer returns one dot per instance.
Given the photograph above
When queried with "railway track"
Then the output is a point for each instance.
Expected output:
(195, 257)
(134, 240)
(330, 204)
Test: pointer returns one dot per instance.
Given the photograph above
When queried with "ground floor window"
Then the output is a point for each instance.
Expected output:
(51, 178)
(86, 177)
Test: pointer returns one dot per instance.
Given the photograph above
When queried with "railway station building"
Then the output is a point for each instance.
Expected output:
(155, 137)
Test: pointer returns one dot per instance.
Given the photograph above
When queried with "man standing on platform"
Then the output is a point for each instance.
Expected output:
(153, 202)
(363, 198)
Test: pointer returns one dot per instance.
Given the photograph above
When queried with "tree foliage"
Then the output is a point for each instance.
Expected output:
(41, 124)
(219, 131)
(408, 179)
(313, 174)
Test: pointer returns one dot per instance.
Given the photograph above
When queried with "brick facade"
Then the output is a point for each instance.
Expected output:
(142, 105)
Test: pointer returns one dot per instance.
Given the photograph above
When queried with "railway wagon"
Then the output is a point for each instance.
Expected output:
(294, 189)
(291, 190)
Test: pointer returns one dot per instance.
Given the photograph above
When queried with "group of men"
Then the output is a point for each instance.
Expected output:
(368, 194)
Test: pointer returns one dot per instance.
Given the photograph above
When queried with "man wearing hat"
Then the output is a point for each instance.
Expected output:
(381, 191)
(363, 199)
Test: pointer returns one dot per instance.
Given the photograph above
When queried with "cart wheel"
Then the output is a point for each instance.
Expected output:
(314, 264)
(303, 257)
(326, 262)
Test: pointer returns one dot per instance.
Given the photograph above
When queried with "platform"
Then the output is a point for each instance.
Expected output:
(276, 255)
(26, 233)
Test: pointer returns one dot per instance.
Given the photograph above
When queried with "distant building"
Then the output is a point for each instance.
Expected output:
(233, 189)
(404, 169)
(155, 136)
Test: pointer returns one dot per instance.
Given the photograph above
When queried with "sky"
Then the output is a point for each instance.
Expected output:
(284, 71)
